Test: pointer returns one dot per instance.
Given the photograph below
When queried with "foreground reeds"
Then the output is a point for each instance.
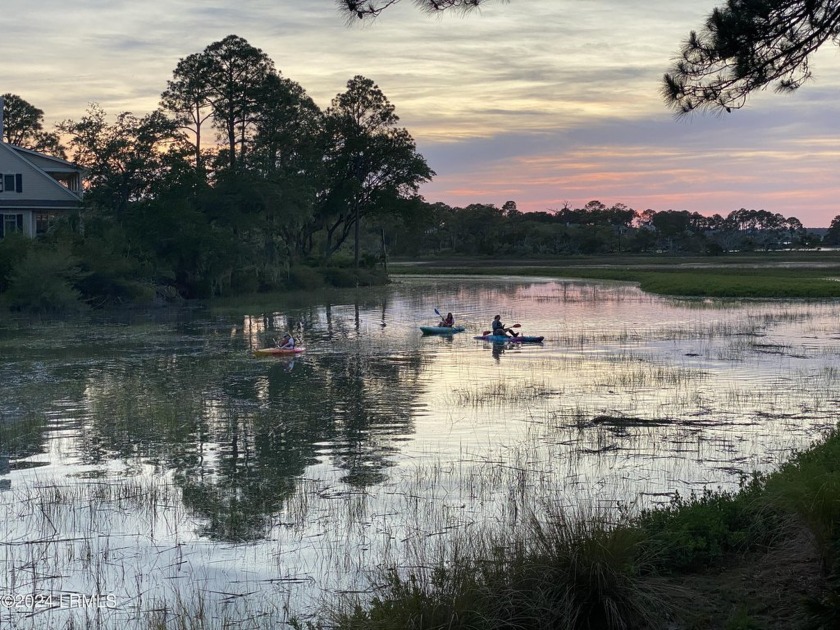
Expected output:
(586, 572)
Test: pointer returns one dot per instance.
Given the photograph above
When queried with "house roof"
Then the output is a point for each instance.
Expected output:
(43, 164)
(56, 163)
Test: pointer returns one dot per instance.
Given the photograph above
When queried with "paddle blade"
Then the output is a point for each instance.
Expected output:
(437, 312)
(487, 332)
(517, 326)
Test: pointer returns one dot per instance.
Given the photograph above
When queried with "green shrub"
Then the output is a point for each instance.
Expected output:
(101, 289)
(448, 598)
(13, 249)
(371, 277)
(698, 532)
(344, 277)
(43, 282)
(581, 573)
(823, 610)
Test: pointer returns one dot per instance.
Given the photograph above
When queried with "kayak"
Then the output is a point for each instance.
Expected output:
(506, 339)
(278, 352)
(441, 330)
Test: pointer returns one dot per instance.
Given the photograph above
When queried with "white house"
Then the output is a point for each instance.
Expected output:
(34, 188)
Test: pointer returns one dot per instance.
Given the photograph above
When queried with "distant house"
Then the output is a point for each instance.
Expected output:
(34, 188)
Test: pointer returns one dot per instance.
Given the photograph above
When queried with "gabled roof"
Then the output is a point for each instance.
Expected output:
(43, 164)
(56, 163)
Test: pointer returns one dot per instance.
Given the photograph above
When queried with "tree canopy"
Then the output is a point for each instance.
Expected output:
(23, 125)
(749, 45)
(283, 187)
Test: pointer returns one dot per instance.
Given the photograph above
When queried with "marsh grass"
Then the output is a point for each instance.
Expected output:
(554, 572)
(814, 276)
(778, 283)
(588, 570)
(521, 392)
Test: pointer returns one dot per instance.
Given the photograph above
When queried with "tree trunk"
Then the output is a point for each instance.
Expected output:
(356, 238)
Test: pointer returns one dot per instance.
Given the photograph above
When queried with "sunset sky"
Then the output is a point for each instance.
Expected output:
(542, 102)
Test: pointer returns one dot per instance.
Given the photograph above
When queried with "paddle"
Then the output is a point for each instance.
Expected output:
(443, 322)
(490, 332)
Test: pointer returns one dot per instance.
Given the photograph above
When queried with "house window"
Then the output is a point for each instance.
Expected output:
(43, 220)
(11, 182)
(10, 224)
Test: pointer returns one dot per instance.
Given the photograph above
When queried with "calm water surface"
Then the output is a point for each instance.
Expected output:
(149, 462)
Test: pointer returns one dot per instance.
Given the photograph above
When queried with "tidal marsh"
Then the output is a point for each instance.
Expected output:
(160, 463)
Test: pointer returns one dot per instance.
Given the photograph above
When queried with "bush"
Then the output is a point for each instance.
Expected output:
(101, 289)
(344, 277)
(698, 532)
(43, 282)
(371, 277)
(581, 573)
(13, 249)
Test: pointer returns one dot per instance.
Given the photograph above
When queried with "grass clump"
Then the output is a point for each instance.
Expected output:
(560, 573)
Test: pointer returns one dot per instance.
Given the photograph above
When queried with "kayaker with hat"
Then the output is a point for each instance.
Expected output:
(498, 328)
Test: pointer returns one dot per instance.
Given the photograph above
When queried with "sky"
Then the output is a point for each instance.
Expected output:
(545, 103)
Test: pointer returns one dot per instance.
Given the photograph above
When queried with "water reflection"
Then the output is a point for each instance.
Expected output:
(5, 484)
(377, 433)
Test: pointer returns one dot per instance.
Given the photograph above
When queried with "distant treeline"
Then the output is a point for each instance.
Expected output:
(486, 230)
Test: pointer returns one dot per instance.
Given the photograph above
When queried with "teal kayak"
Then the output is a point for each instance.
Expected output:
(506, 339)
(441, 330)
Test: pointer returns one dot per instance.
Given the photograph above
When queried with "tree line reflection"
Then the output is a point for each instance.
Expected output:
(237, 432)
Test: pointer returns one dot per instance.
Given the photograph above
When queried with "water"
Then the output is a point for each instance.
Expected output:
(150, 463)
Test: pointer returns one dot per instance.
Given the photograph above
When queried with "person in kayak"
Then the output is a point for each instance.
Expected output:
(288, 342)
(448, 321)
(498, 328)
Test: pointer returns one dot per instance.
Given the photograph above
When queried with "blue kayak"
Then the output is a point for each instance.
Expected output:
(441, 330)
(506, 339)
